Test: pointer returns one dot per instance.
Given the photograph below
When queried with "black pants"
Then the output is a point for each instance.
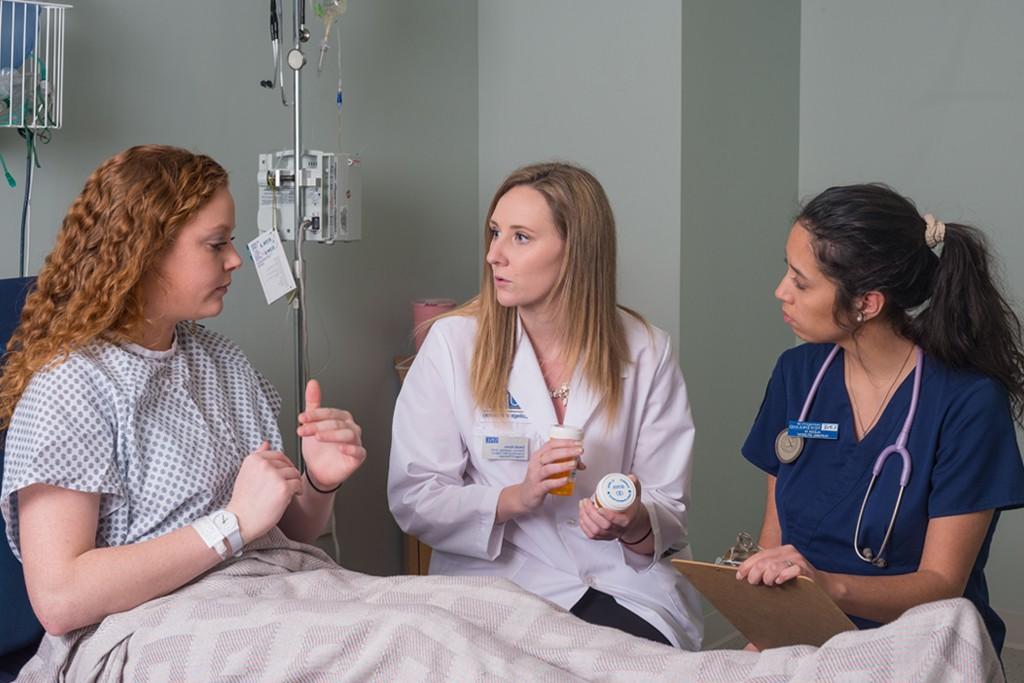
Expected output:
(601, 609)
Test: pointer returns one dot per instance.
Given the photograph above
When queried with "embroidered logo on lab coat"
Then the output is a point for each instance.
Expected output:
(515, 412)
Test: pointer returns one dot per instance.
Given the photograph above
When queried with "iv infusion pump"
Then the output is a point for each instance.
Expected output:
(332, 190)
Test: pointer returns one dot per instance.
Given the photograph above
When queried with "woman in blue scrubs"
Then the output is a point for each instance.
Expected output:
(901, 298)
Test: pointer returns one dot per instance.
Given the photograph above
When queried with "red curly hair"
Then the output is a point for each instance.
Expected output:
(116, 231)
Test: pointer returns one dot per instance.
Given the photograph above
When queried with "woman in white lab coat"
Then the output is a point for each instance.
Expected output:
(545, 343)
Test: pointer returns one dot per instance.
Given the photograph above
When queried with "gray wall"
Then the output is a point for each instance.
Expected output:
(600, 87)
(187, 73)
(740, 103)
(925, 96)
(739, 171)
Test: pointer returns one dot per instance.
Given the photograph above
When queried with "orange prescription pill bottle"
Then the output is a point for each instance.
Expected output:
(575, 434)
(614, 492)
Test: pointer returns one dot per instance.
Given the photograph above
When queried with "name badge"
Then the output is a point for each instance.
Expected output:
(501, 447)
(814, 430)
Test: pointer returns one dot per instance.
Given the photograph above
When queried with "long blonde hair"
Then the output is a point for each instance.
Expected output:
(584, 293)
(117, 229)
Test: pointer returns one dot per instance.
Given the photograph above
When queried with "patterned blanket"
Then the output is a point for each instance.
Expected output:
(285, 612)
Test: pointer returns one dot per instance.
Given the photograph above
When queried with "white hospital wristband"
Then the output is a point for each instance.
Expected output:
(212, 537)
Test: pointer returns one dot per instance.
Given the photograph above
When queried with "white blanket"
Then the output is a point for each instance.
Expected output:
(285, 612)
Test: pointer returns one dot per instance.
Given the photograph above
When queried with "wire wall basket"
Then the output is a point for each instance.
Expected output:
(31, 64)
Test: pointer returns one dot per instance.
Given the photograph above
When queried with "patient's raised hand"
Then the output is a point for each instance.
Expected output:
(332, 445)
(266, 483)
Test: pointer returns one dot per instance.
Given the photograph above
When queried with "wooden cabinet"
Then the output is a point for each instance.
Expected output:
(415, 556)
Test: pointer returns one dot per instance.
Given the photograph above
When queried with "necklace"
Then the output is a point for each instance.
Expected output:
(856, 410)
(562, 394)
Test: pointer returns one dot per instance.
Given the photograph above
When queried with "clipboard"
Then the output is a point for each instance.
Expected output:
(797, 612)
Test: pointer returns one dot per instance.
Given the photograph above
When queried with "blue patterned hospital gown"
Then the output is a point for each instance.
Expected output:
(160, 435)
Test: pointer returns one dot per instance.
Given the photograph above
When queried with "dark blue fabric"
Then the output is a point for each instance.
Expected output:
(11, 664)
(12, 297)
(964, 457)
(19, 628)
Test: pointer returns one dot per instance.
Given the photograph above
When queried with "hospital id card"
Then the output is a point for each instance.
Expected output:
(500, 447)
(814, 430)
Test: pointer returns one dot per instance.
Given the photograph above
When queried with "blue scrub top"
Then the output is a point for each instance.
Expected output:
(964, 455)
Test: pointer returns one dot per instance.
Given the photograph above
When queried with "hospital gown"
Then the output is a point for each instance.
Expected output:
(160, 435)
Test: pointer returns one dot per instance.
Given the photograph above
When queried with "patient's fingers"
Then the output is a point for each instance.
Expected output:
(324, 414)
(313, 395)
(338, 436)
(290, 473)
(332, 431)
(264, 486)
(276, 458)
(311, 428)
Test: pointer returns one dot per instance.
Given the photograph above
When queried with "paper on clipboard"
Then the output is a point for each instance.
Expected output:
(797, 612)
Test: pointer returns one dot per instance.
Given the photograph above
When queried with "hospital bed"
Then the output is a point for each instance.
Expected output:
(286, 611)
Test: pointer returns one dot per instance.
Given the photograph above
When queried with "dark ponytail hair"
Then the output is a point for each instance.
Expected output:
(870, 238)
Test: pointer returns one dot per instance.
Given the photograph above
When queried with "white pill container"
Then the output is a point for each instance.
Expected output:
(614, 492)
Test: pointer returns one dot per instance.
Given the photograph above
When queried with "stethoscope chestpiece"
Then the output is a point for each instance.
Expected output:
(788, 448)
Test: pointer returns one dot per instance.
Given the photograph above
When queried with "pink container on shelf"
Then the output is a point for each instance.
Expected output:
(425, 309)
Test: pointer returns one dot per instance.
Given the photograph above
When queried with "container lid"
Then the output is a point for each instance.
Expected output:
(565, 432)
(615, 492)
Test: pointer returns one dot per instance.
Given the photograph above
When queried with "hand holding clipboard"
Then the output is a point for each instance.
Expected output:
(797, 612)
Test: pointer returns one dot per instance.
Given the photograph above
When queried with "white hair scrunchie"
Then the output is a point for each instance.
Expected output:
(934, 230)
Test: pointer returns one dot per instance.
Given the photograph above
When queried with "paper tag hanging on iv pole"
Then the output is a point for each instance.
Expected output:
(271, 265)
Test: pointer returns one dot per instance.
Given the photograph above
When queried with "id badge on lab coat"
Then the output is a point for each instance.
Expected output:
(505, 447)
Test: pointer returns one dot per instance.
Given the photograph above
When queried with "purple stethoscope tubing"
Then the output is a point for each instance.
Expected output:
(899, 447)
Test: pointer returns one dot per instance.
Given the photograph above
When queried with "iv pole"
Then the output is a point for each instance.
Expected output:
(301, 179)
(296, 60)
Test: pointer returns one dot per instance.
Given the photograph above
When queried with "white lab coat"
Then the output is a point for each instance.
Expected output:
(442, 490)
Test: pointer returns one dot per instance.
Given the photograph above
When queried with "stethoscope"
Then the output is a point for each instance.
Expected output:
(788, 449)
(275, 43)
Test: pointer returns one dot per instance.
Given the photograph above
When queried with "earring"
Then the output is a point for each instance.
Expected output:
(860, 316)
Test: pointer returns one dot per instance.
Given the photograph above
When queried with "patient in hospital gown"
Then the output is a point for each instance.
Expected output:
(158, 435)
